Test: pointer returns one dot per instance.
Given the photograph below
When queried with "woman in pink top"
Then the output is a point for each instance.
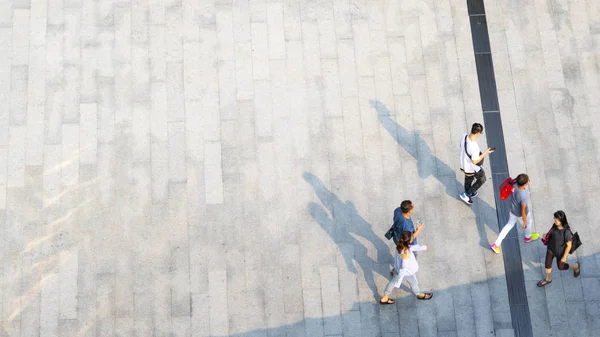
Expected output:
(406, 267)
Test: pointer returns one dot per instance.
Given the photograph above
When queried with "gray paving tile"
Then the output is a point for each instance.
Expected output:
(213, 173)
(279, 88)
(106, 111)
(104, 298)
(330, 294)
(291, 20)
(16, 157)
(176, 148)
(141, 132)
(241, 20)
(18, 94)
(13, 328)
(70, 95)
(160, 169)
(20, 34)
(260, 51)
(157, 50)
(276, 32)
(257, 10)
(227, 90)
(312, 55)
(243, 68)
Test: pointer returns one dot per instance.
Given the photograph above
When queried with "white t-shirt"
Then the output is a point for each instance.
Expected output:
(466, 163)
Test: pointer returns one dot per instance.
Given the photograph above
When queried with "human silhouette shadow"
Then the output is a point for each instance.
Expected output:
(340, 219)
(429, 165)
(402, 318)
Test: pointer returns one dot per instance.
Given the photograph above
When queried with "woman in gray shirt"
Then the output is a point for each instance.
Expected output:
(519, 208)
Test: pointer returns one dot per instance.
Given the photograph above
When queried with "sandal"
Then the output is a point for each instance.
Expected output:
(426, 296)
(543, 283)
(389, 301)
(577, 271)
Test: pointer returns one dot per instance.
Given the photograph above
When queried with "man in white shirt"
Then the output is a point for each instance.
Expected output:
(471, 159)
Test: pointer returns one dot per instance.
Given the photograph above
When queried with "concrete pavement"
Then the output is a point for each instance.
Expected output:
(229, 167)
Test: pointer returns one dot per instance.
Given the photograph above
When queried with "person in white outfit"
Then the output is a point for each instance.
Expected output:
(406, 267)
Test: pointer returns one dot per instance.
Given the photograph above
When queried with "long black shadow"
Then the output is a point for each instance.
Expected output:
(340, 219)
(401, 319)
(430, 165)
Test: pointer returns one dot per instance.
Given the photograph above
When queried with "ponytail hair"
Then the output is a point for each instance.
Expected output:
(404, 241)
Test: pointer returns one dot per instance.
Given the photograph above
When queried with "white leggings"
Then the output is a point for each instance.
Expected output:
(512, 220)
(411, 279)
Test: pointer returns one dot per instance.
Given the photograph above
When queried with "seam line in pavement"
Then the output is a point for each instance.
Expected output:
(511, 252)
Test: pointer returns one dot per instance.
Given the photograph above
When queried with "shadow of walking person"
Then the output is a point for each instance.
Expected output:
(340, 220)
(429, 165)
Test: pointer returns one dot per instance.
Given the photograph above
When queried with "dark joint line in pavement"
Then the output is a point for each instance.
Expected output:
(515, 279)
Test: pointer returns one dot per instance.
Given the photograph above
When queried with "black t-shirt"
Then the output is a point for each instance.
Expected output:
(558, 237)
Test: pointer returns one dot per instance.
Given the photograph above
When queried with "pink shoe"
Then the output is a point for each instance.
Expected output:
(534, 236)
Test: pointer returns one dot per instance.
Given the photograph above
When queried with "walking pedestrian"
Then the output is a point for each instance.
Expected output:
(406, 267)
(560, 240)
(519, 208)
(403, 221)
(471, 160)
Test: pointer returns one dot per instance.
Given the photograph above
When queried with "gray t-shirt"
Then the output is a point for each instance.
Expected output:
(519, 197)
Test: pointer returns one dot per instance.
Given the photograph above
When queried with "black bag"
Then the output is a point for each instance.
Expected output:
(468, 155)
(575, 243)
(390, 233)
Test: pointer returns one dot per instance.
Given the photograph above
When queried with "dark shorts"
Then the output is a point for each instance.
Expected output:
(550, 256)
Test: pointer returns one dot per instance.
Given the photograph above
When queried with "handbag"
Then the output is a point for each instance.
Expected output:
(390, 233)
(507, 187)
(575, 243)
(546, 237)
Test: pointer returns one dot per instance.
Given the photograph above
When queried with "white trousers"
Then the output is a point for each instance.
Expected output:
(512, 220)
(411, 279)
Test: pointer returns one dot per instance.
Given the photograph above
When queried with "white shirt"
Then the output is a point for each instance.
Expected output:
(408, 266)
(466, 163)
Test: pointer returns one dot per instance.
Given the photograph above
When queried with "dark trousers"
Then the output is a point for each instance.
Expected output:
(479, 178)
(550, 256)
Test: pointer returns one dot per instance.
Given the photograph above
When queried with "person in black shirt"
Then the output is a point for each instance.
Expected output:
(559, 246)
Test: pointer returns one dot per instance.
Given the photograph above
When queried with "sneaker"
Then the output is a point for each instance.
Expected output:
(473, 195)
(466, 199)
(495, 248)
(534, 236)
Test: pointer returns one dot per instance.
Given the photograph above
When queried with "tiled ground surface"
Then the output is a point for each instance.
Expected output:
(229, 167)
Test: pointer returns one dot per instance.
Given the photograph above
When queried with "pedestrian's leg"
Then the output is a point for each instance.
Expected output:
(548, 265)
(468, 182)
(529, 226)
(509, 225)
(576, 268)
(562, 265)
(480, 176)
(390, 287)
(529, 234)
(414, 284)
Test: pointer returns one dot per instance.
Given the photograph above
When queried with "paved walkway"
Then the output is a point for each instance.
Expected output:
(229, 167)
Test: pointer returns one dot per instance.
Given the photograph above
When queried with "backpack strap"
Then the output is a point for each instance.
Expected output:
(467, 152)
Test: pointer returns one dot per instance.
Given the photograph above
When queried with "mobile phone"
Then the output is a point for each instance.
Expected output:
(493, 148)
